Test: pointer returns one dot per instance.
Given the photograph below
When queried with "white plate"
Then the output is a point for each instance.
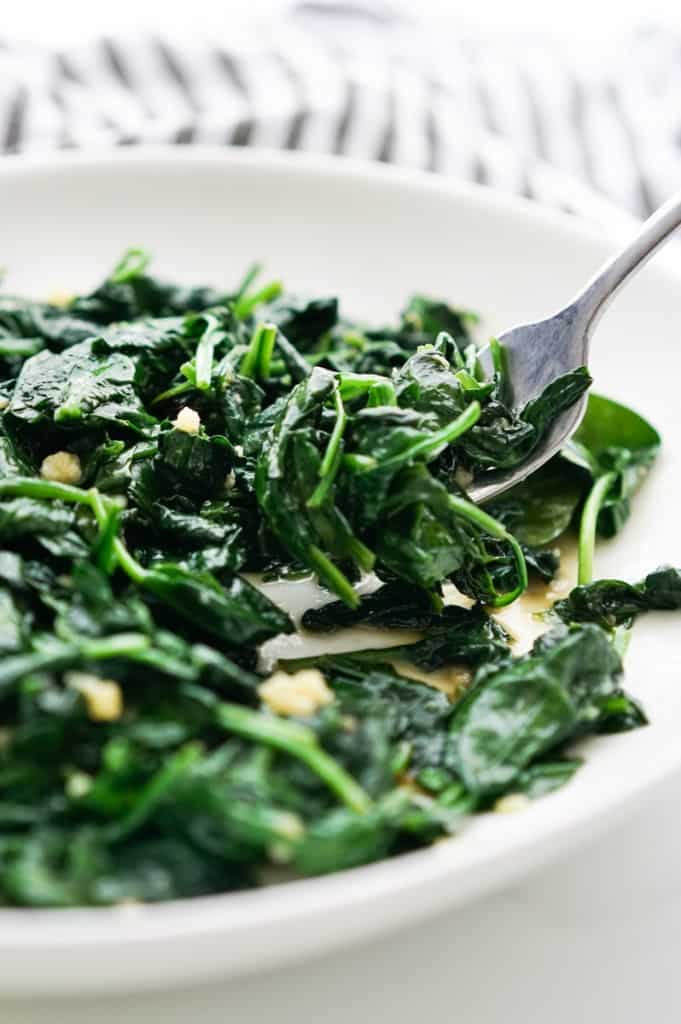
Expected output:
(373, 236)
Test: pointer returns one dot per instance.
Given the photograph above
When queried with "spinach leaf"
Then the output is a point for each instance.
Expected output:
(130, 293)
(234, 614)
(411, 712)
(503, 438)
(616, 447)
(613, 603)
(520, 710)
(543, 506)
(395, 605)
(454, 635)
(77, 389)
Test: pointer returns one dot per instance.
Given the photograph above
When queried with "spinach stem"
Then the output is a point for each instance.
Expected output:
(30, 487)
(330, 455)
(588, 524)
(245, 305)
(265, 350)
(133, 263)
(177, 389)
(256, 361)
(474, 514)
(203, 360)
(321, 491)
(17, 666)
(154, 792)
(125, 560)
(352, 385)
(497, 355)
(382, 393)
(64, 654)
(299, 742)
(114, 646)
(364, 557)
(247, 281)
(331, 575)
(429, 445)
(359, 463)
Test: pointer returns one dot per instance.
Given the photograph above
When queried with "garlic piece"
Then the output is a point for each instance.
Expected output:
(103, 697)
(187, 420)
(61, 468)
(301, 694)
(511, 803)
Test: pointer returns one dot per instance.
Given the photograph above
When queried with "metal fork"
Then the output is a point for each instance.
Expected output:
(537, 353)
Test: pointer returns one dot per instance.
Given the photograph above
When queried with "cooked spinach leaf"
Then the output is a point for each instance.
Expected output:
(616, 447)
(453, 635)
(613, 603)
(518, 711)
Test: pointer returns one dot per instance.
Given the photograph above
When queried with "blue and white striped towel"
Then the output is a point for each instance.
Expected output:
(524, 115)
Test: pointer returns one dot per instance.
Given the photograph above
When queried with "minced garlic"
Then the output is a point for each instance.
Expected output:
(301, 694)
(78, 785)
(463, 477)
(187, 420)
(511, 803)
(60, 298)
(103, 697)
(61, 468)
(289, 825)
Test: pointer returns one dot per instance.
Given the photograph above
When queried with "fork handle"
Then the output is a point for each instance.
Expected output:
(596, 296)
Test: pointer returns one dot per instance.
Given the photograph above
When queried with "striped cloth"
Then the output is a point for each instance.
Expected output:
(530, 116)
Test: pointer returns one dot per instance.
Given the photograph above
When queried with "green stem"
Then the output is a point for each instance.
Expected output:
(332, 576)
(154, 793)
(114, 646)
(32, 487)
(250, 359)
(177, 389)
(467, 382)
(299, 742)
(475, 515)
(331, 454)
(497, 354)
(133, 263)
(321, 491)
(125, 560)
(256, 361)
(247, 281)
(588, 524)
(244, 306)
(382, 393)
(363, 555)
(358, 463)
(267, 340)
(20, 346)
(104, 551)
(203, 360)
(62, 655)
(430, 445)
(19, 665)
(352, 385)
